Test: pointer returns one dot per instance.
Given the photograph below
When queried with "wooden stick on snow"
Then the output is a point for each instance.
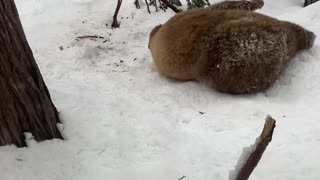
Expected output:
(247, 163)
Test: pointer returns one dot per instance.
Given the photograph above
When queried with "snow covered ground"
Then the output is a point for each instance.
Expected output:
(123, 121)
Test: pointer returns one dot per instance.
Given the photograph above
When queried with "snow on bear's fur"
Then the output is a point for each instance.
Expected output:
(227, 45)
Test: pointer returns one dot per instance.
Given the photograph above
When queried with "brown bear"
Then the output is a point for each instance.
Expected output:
(227, 45)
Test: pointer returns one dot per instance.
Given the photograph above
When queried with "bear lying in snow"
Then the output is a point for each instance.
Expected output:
(227, 45)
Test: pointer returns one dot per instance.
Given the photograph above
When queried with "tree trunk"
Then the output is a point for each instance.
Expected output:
(25, 103)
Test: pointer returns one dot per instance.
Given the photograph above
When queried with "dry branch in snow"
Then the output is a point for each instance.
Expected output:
(115, 23)
(137, 4)
(251, 156)
(148, 7)
(90, 36)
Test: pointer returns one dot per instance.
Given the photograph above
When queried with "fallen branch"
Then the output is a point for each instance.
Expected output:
(148, 6)
(176, 10)
(154, 3)
(90, 36)
(251, 157)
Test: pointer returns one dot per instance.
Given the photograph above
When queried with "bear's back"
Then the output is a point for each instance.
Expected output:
(178, 45)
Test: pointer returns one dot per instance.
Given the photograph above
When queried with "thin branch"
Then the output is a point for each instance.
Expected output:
(115, 23)
(147, 6)
(247, 163)
(89, 36)
(136, 2)
(156, 5)
(176, 10)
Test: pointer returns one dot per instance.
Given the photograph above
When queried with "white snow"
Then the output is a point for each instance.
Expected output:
(123, 121)
(246, 151)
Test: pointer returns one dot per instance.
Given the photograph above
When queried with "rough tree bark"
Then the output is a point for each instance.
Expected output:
(25, 103)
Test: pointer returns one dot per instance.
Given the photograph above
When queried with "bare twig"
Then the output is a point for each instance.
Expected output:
(89, 36)
(136, 2)
(147, 6)
(115, 23)
(246, 167)
(176, 10)
(156, 5)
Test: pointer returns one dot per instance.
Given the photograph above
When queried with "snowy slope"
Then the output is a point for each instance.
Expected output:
(123, 121)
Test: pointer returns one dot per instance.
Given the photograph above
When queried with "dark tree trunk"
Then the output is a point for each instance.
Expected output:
(308, 2)
(25, 103)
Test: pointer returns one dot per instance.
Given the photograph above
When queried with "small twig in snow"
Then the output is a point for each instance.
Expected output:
(148, 6)
(115, 23)
(136, 2)
(90, 36)
(251, 160)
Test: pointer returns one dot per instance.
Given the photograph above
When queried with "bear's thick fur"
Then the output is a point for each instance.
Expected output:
(232, 48)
